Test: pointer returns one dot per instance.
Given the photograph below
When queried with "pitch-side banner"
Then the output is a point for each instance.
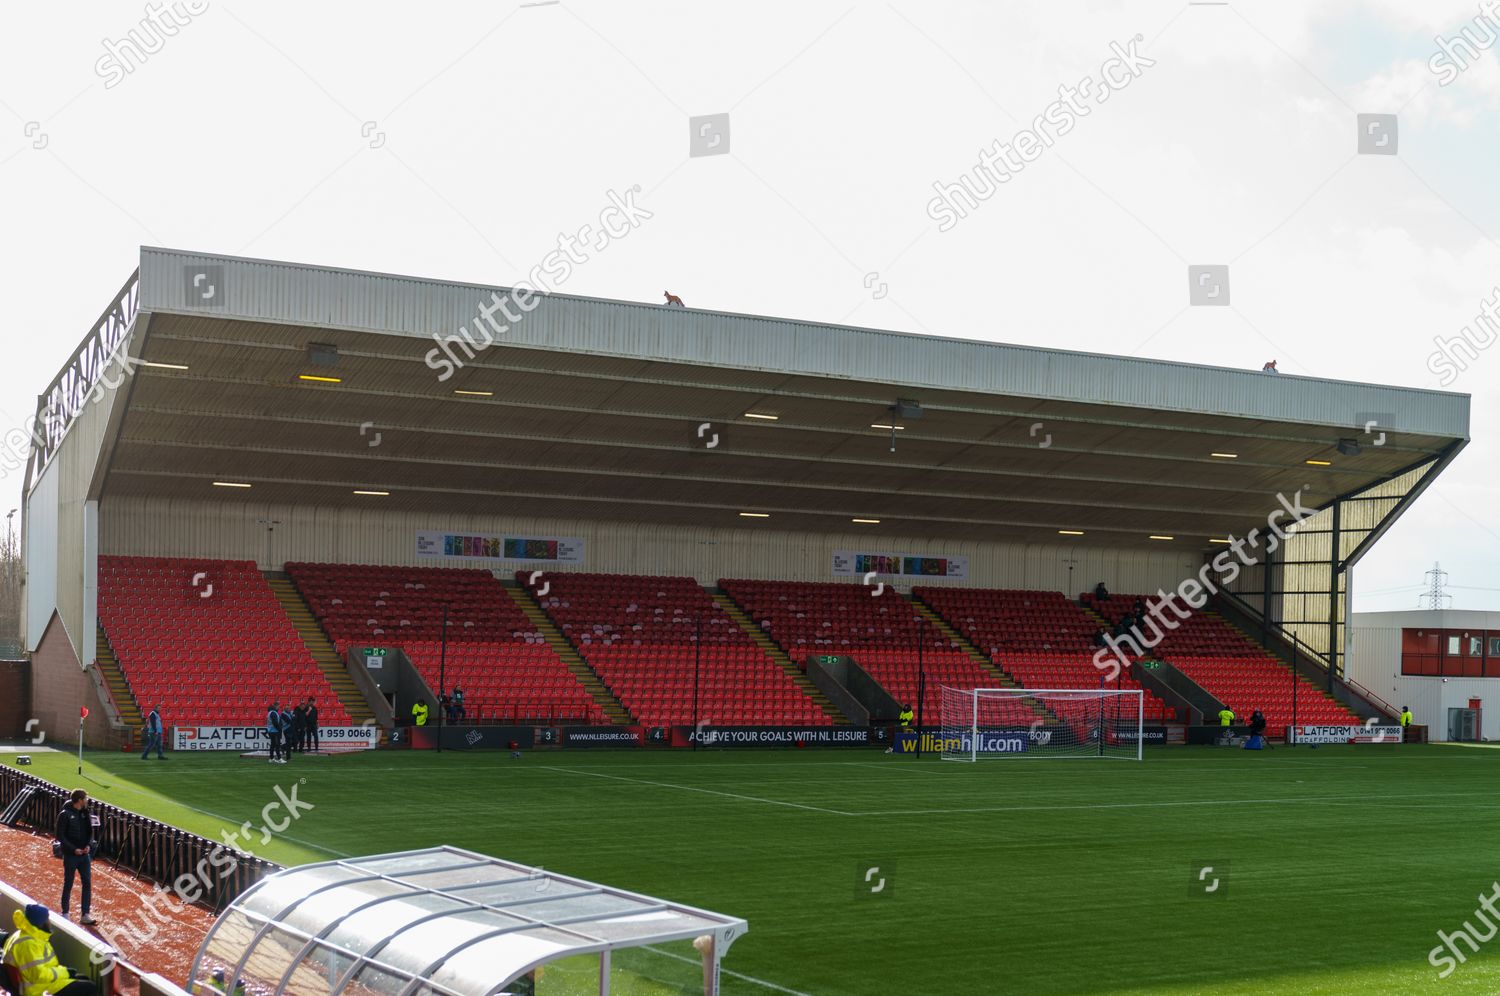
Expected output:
(770, 736)
(256, 738)
(990, 741)
(904, 565)
(1348, 735)
(497, 547)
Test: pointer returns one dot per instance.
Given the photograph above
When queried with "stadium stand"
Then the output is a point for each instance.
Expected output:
(207, 640)
(494, 653)
(1198, 631)
(638, 632)
(880, 631)
(1230, 666)
(1041, 638)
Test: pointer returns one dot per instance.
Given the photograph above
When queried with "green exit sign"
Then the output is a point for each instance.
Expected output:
(374, 651)
(1150, 665)
(827, 659)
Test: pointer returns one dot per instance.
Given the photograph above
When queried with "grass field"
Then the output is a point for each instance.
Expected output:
(1336, 866)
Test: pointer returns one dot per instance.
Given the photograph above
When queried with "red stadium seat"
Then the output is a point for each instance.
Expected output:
(504, 664)
(638, 633)
(189, 634)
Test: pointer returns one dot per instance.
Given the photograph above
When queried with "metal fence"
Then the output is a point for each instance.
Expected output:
(151, 850)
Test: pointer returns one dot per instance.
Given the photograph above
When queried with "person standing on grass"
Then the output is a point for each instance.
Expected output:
(1405, 718)
(419, 713)
(75, 835)
(273, 730)
(1226, 717)
(153, 735)
(299, 727)
(286, 734)
(312, 725)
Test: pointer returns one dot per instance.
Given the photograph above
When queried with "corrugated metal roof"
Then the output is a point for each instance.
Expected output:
(400, 305)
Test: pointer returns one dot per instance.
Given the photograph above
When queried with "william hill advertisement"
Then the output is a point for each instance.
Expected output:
(989, 742)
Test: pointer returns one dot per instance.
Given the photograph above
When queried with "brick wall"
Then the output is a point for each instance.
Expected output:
(15, 698)
(59, 686)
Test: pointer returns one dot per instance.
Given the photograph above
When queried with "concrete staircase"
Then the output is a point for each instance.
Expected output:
(1001, 677)
(119, 688)
(730, 606)
(1256, 645)
(320, 647)
(612, 707)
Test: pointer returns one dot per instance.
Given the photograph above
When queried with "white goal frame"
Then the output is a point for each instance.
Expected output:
(971, 730)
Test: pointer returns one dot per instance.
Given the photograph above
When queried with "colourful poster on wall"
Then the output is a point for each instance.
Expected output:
(853, 562)
(432, 544)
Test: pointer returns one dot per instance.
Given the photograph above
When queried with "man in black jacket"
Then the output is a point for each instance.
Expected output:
(75, 832)
(311, 716)
(299, 727)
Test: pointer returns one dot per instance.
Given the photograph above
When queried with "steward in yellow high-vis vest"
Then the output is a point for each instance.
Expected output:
(29, 951)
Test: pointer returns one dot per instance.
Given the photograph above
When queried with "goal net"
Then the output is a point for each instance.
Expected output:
(1040, 722)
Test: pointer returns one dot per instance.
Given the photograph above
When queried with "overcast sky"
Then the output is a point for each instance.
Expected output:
(458, 140)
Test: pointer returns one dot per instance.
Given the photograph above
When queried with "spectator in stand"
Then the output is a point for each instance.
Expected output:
(1101, 638)
(153, 735)
(458, 702)
(29, 952)
(75, 837)
(1101, 593)
(312, 725)
(1139, 608)
(273, 731)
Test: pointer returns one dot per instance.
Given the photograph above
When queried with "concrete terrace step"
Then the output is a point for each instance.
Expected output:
(319, 646)
(114, 678)
(783, 661)
(1003, 678)
(570, 656)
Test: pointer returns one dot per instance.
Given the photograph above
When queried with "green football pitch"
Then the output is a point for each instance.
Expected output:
(1335, 867)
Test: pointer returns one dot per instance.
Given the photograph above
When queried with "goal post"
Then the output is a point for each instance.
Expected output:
(981, 723)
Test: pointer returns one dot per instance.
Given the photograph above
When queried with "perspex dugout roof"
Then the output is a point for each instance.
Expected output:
(436, 921)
